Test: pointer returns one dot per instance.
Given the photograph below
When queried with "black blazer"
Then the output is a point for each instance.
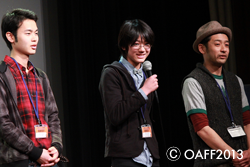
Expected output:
(123, 118)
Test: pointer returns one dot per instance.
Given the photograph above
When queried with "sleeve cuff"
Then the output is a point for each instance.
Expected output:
(246, 117)
(35, 153)
(199, 121)
(143, 94)
(58, 147)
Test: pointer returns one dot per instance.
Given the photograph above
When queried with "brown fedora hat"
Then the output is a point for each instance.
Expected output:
(210, 28)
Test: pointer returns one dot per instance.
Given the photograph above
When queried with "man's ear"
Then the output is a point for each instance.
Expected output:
(10, 37)
(123, 48)
(202, 48)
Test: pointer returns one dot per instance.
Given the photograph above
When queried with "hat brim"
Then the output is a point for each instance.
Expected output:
(223, 30)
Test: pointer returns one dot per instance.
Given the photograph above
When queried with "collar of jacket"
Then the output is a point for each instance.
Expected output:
(200, 66)
(123, 70)
(3, 68)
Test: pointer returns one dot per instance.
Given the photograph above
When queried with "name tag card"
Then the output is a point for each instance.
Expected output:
(146, 131)
(41, 131)
(236, 131)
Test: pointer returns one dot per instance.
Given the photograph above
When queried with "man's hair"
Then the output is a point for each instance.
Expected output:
(11, 21)
(129, 33)
(208, 38)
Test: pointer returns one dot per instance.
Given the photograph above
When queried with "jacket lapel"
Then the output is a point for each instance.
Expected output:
(8, 79)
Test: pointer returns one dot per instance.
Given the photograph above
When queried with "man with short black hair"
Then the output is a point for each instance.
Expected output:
(30, 132)
(215, 102)
(127, 97)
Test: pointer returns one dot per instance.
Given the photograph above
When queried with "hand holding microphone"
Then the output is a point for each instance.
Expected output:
(151, 83)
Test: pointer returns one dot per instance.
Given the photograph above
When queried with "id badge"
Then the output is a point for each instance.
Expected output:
(41, 131)
(236, 131)
(146, 131)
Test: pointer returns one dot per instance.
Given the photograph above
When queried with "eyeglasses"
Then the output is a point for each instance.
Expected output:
(138, 46)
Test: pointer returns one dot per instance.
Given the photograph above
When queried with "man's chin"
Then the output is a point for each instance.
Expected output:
(31, 53)
(219, 64)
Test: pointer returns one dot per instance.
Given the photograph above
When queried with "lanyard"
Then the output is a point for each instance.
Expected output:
(144, 120)
(35, 109)
(227, 101)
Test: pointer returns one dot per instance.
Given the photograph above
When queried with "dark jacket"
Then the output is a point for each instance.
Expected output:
(123, 118)
(15, 145)
(218, 113)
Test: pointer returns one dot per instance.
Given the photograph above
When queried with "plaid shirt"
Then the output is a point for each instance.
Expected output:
(24, 104)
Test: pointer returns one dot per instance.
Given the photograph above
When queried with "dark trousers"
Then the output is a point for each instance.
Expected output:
(229, 164)
(128, 162)
(22, 163)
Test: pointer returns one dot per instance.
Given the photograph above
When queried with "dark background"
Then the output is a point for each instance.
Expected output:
(82, 37)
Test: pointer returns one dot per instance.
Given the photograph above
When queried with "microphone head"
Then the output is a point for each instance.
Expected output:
(147, 65)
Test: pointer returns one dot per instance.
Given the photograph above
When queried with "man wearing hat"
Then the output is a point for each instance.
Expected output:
(216, 104)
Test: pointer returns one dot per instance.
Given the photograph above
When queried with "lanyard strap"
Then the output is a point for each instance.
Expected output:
(35, 109)
(227, 101)
(142, 111)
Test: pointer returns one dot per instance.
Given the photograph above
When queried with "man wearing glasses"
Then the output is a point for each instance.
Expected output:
(127, 98)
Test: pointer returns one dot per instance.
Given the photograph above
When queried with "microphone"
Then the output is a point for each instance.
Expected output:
(147, 66)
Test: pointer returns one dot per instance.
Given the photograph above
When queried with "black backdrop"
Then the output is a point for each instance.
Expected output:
(88, 33)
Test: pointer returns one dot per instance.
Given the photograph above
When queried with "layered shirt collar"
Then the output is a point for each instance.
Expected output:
(8, 60)
(131, 69)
